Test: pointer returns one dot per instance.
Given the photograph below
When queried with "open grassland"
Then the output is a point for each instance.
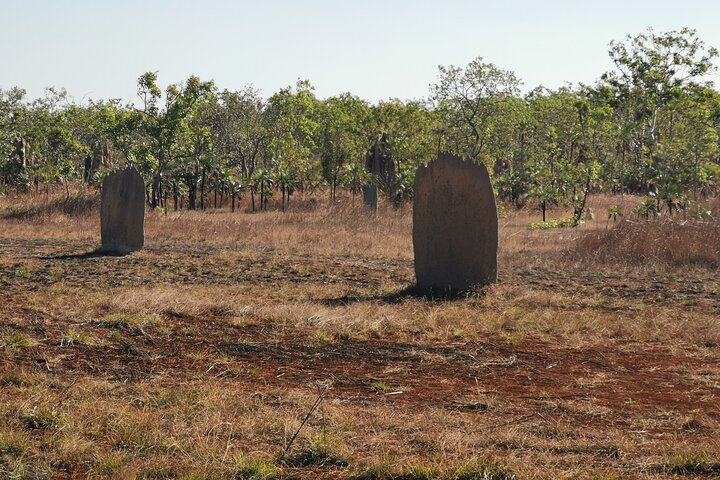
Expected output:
(597, 355)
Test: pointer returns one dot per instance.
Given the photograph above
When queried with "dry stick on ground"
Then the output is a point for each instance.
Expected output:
(307, 416)
(520, 420)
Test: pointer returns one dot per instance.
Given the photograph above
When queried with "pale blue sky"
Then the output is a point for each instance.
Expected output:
(374, 49)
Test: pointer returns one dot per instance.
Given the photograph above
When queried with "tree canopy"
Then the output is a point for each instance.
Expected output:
(650, 126)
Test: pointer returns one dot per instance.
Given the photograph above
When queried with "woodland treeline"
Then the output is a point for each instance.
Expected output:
(650, 126)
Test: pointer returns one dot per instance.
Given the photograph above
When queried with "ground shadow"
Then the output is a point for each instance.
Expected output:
(97, 253)
(411, 292)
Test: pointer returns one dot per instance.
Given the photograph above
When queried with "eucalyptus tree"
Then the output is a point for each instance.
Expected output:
(54, 152)
(344, 136)
(165, 125)
(469, 100)
(93, 127)
(508, 148)
(409, 128)
(695, 147)
(651, 71)
(292, 128)
(564, 141)
(242, 132)
(550, 145)
(12, 143)
(195, 161)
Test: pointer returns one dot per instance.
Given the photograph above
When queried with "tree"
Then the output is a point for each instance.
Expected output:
(241, 129)
(292, 126)
(651, 72)
(468, 101)
(12, 144)
(165, 126)
(408, 127)
(344, 136)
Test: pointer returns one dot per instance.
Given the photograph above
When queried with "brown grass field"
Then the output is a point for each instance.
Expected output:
(596, 355)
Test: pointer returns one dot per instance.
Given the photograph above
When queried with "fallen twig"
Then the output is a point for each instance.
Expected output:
(520, 420)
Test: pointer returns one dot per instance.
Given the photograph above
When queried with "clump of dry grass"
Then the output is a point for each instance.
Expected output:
(669, 241)
(38, 207)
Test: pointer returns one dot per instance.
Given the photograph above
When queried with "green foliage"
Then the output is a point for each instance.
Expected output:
(561, 223)
(471, 102)
(650, 126)
(248, 468)
(42, 418)
(13, 340)
(649, 207)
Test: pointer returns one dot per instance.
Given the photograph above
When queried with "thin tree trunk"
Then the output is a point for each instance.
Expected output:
(202, 190)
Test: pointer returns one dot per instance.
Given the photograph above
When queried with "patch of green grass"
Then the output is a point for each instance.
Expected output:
(23, 272)
(419, 472)
(314, 454)
(699, 464)
(125, 321)
(381, 387)
(13, 340)
(512, 339)
(479, 471)
(20, 468)
(130, 436)
(12, 444)
(42, 418)
(319, 339)
(382, 471)
(559, 223)
(72, 338)
(117, 336)
(161, 472)
(110, 464)
(253, 468)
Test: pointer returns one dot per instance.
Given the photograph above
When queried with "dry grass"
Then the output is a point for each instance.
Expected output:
(308, 226)
(199, 357)
(674, 242)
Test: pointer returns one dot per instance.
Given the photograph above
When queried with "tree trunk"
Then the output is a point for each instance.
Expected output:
(202, 190)
(155, 192)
